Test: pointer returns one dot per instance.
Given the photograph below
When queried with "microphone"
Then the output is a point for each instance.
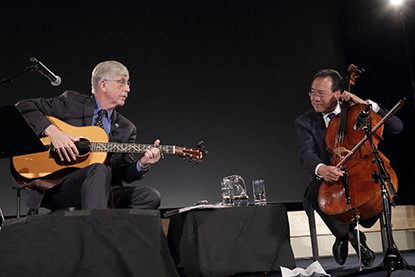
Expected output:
(362, 117)
(55, 80)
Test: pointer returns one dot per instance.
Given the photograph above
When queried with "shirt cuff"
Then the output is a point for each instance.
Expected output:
(140, 170)
(375, 106)
(316, 170)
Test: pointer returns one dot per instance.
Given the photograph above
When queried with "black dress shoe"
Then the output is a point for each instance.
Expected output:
(340, 250)
(368, 256)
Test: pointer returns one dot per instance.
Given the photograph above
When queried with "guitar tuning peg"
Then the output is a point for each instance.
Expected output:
(202, 148)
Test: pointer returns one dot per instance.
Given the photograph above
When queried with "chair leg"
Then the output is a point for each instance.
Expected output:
(32, 211)
(18, 189)
(313, 234)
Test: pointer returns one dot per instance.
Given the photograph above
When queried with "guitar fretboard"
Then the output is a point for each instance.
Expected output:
(116, 147)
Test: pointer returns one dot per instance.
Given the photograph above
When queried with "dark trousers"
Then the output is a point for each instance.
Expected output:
(337, 228)
(90, 188)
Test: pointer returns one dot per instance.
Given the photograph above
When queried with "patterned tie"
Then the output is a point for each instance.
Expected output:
(99, 121)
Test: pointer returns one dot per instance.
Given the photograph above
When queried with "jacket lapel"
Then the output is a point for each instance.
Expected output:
(88, 110)
(115, 126)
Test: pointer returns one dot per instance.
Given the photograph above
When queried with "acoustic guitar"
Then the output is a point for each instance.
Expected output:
(93, 146)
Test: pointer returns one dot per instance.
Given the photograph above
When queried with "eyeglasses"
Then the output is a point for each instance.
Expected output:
(318, 94)
(122, 83)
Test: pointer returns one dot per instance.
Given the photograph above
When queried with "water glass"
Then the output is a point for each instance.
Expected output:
(258, 187)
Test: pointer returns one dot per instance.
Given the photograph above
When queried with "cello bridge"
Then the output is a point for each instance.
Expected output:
(341, 152)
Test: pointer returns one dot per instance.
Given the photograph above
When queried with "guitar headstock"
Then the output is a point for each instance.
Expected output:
(191, 153)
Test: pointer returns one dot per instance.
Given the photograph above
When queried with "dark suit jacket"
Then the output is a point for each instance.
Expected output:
(311, 133)
(77, 109)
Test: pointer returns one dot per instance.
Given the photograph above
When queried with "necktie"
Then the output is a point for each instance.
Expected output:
(99, 121)
(331, 116)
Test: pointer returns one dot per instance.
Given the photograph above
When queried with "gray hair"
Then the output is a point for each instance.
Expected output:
(107, 70)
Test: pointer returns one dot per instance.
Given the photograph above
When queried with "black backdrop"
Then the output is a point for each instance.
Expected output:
(234, 74)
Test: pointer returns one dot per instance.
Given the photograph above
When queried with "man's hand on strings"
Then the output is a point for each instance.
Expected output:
(63, 143)
(352, 98)
(151, 156)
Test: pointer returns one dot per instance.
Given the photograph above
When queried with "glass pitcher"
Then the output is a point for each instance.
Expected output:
(240, 197)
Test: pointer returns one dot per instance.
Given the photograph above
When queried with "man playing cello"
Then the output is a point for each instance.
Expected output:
(325, 94)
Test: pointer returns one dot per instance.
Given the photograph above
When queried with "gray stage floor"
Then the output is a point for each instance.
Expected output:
(351, 267)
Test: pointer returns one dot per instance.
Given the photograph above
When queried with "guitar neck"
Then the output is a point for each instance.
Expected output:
(116, 147)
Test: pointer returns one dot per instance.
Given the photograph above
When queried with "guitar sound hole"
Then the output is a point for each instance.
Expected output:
(84, 146)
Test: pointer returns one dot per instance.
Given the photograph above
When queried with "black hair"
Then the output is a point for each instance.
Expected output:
(336, 78)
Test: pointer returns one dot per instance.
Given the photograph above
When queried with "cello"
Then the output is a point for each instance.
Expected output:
(357, 195)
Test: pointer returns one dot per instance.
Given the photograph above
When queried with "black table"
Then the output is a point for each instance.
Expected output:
(86, 243)
(228, 241)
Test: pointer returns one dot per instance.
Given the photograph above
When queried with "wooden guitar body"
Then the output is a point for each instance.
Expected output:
(42, 164)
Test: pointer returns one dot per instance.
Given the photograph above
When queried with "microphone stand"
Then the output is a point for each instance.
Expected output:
(8, 80)
(392, 258)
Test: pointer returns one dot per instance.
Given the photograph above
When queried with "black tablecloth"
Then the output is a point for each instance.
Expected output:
(228, 241)
(86, 243)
